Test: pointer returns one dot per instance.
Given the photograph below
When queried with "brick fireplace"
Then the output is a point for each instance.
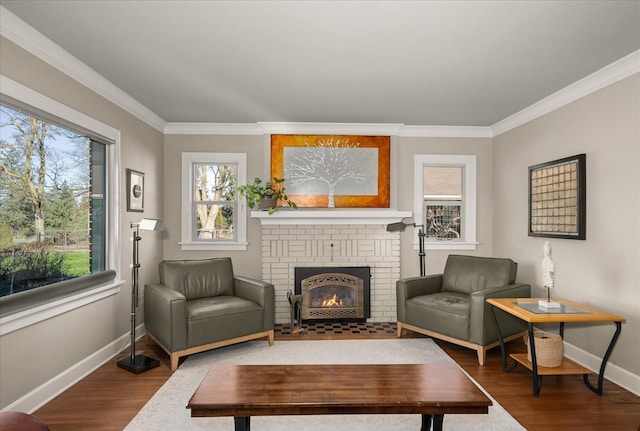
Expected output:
(332, 238)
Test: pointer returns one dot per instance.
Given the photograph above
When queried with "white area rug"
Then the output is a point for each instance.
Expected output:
(167, 408)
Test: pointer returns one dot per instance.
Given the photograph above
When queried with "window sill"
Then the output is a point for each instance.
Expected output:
(22, 319)
(447, 245)
(231, 246)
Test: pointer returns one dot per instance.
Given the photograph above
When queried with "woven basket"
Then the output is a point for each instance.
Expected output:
(549, 349)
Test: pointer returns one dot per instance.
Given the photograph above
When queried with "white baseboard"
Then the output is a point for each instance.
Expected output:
(41, 395)
(612, 372)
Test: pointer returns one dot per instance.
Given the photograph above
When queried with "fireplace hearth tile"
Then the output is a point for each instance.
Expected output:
(336, 330)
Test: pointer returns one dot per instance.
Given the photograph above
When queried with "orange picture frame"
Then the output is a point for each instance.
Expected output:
(377, 182)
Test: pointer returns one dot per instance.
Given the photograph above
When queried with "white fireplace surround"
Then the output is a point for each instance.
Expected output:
(332, 237)
(338, 216)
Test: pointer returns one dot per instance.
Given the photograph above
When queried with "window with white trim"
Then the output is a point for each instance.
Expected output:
(95, 274)
(445, 201)
(213, 218)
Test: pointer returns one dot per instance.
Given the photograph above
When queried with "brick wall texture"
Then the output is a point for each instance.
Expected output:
(285, 247)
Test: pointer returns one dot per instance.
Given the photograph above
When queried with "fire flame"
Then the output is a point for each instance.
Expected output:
(332, 302)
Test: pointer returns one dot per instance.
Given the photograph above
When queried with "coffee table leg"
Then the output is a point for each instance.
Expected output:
(426, 423)
(242, 423)
(437, 422)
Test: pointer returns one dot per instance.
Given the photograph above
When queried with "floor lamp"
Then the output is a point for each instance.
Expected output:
(400, 227)
(138, 363)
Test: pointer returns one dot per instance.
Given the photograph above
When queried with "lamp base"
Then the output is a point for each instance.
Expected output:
(140, 363)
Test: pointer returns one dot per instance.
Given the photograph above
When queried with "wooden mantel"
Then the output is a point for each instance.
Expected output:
(344, 216)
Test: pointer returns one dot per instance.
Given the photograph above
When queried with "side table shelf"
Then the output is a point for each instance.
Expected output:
(528, 310)
(567, 366)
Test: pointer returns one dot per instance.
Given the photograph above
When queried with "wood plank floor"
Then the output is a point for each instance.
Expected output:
(110, 397)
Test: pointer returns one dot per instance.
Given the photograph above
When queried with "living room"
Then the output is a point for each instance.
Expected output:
(594, 113)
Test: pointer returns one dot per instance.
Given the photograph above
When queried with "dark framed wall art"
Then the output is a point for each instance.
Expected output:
(557, 198)
(135, 191)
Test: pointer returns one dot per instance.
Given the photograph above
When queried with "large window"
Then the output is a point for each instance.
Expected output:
(213, 217)
(52, 221)
(58, 215)
(445, 200)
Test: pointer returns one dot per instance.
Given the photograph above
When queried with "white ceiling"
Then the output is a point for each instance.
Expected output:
(452, 63)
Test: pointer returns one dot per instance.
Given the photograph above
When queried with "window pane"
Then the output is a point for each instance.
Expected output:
(52, 203)
(442, 182)
(214, 182)
(443, 198)
(443, 220)
(97, 207)
(215, 222)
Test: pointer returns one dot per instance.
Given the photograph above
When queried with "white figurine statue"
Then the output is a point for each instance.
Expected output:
(548, 266)
(548, 272)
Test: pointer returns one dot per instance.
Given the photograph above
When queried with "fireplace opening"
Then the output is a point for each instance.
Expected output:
(334, 293)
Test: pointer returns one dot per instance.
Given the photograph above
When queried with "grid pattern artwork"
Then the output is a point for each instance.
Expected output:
(557, 198)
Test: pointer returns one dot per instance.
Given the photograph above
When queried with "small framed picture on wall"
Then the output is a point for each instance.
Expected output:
(135, 191)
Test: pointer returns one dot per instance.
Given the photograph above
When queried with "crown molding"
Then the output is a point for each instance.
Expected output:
(369, 129)
(446, 132)
(213, 129)
(365, 129)
(28, 38)
(614, 72)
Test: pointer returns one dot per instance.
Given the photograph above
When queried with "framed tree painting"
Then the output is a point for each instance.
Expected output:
(333, 171)
(135, 191)
(558, 198)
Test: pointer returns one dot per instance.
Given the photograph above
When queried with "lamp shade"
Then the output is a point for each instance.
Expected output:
(150, 224)
(396, 227)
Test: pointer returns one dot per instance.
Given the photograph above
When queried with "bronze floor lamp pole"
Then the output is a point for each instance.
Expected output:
(137, 363)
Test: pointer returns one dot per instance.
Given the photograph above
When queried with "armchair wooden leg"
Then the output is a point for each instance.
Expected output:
(271, 337)
(174, 361)
(399, 329)
(482, 355)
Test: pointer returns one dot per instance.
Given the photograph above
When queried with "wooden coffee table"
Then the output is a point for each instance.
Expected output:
(528, 310)
(243, 391)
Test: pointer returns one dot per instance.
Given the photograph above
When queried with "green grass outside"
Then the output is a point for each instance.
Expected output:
(77, 263)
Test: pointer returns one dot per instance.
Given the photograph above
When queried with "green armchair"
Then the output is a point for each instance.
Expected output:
(201, 305)
(451, 306)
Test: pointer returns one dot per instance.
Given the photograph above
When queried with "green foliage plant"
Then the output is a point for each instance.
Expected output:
(29, 266)
(255, 193)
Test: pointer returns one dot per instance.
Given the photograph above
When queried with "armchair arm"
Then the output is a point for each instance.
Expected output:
(260, 292)
(165, 316)
(482, 330)
(408, 288)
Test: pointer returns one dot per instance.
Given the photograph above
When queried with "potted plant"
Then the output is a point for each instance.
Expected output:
(265, 196)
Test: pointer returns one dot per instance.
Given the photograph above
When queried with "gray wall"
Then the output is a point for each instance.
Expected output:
(407, 149)
(246, 263)
(36, 354)
(603, 270)
(249, 263)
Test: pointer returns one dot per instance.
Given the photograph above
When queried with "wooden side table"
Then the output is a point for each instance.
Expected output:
(528, 310)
